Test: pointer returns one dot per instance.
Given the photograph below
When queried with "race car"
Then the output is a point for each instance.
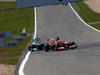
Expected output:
(36, 45)
(59, 45)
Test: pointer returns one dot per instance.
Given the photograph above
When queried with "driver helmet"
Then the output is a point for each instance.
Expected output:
(48, 40)
(57, 38)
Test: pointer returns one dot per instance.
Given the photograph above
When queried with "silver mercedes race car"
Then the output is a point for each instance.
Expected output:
(36, 45)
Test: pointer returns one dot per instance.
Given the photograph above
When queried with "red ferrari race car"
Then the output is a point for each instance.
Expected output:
(59, 45)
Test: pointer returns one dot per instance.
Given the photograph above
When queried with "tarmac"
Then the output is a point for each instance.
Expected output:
(61, 21)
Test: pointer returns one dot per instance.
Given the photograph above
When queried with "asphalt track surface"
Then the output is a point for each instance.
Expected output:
(59, 20)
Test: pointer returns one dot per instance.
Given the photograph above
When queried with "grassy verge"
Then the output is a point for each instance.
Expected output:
(87, 14)
(11, 55)
(97, 26)
(5, 4)
(14, 20)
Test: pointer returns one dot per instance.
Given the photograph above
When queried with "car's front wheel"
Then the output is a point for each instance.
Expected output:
(41, 47)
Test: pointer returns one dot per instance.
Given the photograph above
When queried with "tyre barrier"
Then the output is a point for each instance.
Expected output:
(11, 44)
(23, 34)
(5, 34)
(18, 40)
(1, 43)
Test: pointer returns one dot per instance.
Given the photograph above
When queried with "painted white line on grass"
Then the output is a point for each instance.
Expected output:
(82, 19)
(21, 69)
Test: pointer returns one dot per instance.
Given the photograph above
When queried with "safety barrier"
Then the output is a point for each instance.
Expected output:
(12, 43)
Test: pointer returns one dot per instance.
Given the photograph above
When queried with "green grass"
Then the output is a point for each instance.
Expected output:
(14, 20)
(97, 26)
(8, 61)
(5, 4)
(10, 38)
(11, 55)
(86, 13)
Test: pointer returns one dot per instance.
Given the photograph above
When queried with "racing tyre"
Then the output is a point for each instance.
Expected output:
(47, 48)
(73, 45)
(29, 48)
(55, 47)
(41, 47)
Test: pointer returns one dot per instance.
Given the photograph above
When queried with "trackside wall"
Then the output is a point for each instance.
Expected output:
(31, 3)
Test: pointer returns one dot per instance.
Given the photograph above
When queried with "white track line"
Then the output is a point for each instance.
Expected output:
(35, 23)
(21, 72)
(82, 19)
(23, 64)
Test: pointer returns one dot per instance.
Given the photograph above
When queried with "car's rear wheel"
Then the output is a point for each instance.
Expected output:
(47, 48)
(73, 45)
